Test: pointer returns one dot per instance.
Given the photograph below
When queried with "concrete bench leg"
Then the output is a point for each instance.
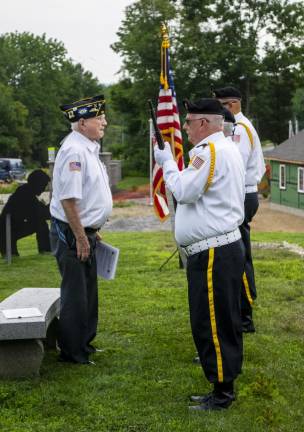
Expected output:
(20, 358)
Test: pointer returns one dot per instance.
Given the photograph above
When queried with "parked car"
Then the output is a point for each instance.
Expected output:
(12, 169)
(4, 172)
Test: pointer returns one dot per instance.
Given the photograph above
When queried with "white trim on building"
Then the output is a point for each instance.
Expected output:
(282, 181)
(301, 179)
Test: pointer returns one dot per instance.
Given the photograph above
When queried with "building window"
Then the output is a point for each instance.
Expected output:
(301, 180)
(282, 176)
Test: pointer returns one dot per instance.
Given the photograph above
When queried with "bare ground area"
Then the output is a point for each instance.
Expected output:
(269, 220)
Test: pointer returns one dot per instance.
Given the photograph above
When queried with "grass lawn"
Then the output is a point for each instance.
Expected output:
(143, 378)
(297, 238)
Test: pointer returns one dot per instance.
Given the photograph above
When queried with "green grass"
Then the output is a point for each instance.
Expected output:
(8, 188)
(124, 204)
(131, 183)
(297, 238)
(143, 378)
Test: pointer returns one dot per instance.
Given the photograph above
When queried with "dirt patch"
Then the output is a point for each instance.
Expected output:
(269, 220)
(142, 191)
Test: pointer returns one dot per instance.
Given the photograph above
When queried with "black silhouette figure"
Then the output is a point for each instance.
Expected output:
(28, 214)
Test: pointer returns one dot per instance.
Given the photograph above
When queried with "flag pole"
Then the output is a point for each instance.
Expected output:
(151, 160)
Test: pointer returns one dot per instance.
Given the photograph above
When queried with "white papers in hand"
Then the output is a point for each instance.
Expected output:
(21, 313)
(106, 259)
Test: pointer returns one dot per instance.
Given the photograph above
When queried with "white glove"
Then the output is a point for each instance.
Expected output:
(161, 156)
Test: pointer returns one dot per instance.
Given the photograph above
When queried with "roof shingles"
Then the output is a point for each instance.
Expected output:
(291, 150)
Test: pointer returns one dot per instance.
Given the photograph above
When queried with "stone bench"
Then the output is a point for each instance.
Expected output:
(22, 340)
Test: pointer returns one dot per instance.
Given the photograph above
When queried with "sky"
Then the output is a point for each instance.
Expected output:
(87, 28)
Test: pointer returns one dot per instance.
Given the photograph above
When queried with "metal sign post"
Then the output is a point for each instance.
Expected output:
(8, 234)
(151, 160)
(51, 162)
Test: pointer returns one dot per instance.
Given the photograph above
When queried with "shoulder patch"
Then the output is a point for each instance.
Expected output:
(75, 166)
(197, 162)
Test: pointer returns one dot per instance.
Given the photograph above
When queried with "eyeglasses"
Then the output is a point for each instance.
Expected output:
(188, 121)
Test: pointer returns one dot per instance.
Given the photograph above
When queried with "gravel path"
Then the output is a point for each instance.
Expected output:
(141, 223)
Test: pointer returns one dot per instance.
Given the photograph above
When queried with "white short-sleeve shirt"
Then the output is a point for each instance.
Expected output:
(202, 214)
(252, 154)
(79, 173)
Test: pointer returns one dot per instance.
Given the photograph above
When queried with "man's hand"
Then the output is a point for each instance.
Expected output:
(161, 156)
(83, 247)
(72, 214)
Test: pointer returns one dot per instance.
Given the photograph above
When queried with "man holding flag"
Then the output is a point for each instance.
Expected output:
(210, 194)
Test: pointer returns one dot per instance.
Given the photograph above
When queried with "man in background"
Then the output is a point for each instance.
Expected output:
(249, 145)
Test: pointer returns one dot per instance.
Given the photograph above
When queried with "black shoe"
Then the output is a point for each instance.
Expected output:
(196, 360)
(202, 398)
(91, 349)
(215, 402)
(67, 359)
(89, 363)
(248, 328)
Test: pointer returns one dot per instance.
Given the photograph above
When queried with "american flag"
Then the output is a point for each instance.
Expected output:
(169, 125)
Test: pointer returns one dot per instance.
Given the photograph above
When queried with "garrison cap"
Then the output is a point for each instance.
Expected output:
(84, 108)
(228, 116)
(227, 93)
(204, 106)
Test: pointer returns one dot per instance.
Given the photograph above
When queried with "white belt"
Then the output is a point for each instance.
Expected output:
(212, 242)
(250, 189)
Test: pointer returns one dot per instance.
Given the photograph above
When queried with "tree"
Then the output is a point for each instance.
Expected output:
(40, 77)
(15, 137)
(139, 45)
(255, 45)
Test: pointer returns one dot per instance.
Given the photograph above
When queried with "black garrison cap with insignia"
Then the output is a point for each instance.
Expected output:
(228, 116)
(227, 93)
(84, 108)
(204, 106)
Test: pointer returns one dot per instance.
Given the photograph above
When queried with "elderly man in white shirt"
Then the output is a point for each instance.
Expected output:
(210, 207)
(247, 140)
(80, 205)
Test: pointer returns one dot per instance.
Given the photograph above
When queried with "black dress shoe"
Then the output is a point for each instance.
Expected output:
(89, 363)
(91, 349)
(196, 360)
(215, 402)
(201, 398)
(67, 359)
(248, 328)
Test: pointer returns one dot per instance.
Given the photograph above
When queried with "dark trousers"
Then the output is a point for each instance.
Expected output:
(79, 299)
(214, 284)
(248, 293)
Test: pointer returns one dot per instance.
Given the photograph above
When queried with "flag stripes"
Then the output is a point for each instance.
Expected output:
(169, 125)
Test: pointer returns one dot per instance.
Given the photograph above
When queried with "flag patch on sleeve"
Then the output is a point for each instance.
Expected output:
(75, 166)
(197, 162)
(236, 138)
